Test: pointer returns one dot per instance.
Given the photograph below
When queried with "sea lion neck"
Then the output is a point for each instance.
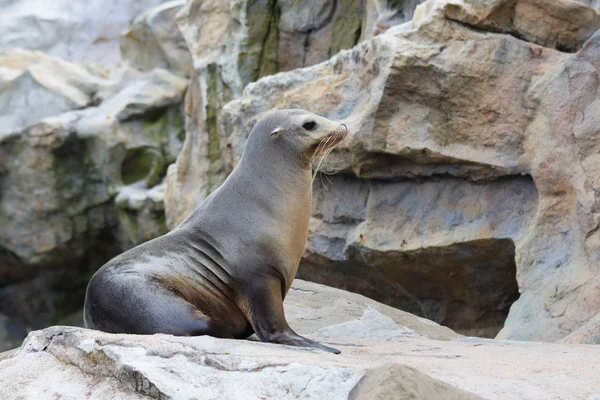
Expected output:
(282, 176)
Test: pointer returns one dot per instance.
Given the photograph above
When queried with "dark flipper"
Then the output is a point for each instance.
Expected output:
(264, 306)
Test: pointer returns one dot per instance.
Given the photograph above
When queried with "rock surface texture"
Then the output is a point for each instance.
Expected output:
(84, 32)
(394, 356)
(83, 152)
(233, 43)
(468, 185)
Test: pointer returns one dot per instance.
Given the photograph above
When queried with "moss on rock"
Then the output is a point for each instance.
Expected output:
(347, 27)
(143, 163)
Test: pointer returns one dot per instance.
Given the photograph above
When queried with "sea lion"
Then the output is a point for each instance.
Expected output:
(225, 270)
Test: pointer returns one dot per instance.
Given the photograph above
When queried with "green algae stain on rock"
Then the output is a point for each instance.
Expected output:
(214, 152)
(157, 128)
(143, 163)
(268, 57)
(140, 225)
(178, 123)
(128, 227)
(166, 131)
(217, 94)
(347, 27)
(257, 15)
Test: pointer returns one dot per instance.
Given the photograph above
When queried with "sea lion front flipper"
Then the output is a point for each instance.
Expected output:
(265, 313)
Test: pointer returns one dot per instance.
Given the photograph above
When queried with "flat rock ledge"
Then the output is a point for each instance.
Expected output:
(386, 353)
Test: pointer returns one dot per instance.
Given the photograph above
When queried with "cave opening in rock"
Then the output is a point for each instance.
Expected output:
(468, 287)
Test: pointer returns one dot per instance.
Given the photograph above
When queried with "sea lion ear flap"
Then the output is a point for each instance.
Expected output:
(276, 131)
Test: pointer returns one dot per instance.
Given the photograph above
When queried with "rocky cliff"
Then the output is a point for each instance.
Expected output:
(89, 122)
(466, 192)
(83, 147)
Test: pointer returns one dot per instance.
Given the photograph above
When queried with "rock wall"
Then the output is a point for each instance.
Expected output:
(237, 42)
(90, 122)
(467, 187)
(88, 32)
(83, 153)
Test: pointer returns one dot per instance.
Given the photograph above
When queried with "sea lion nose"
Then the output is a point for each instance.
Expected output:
(343, 128)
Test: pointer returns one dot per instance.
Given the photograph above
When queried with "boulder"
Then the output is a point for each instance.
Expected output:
(415, 357)
(401, 382)
(563, 25)
(141, 213)
(83, 32)
(154, 41)
(587, 334)
(70, 139)
(466, 191)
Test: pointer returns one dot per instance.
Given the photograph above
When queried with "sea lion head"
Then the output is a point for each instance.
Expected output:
(297, 134)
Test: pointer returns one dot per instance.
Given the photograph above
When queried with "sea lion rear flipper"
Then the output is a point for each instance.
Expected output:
(266, 315)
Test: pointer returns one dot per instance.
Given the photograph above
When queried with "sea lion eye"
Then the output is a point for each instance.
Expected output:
(309, 126)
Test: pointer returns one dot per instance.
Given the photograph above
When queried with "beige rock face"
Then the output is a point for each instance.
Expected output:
(468, 184)
(400, 352)
(588, 333)
(235, 42)
(566, 25)
(395, 381)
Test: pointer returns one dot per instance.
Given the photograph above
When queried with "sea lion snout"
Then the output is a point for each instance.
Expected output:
(337, 135)
(340, 133)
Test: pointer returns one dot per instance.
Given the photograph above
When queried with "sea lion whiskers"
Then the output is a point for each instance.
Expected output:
(323, 150)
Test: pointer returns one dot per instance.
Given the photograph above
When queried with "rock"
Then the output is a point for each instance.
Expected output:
(71, 139)
(371, 325)
(237, 42)
(154, 41)
(333, 313)
(587, 334)
(36, 86)
(563, 25)
(6, 354)
(87, 32)
(453, 199)
(400, 382)
(141, 213)
(393, 12)
(73, 363)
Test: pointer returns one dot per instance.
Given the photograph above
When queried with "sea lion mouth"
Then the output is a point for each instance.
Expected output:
(328, 142)
(325, 146)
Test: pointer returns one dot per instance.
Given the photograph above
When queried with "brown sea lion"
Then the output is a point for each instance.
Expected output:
(226, 269)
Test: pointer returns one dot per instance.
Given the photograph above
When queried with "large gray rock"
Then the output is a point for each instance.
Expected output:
(154, 41)
(73, 363)
(71, 138)
(467, 187)
(74, 31)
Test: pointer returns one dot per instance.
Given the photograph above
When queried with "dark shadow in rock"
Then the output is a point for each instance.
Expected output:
(468, 287)
(443, 248)
(55, 295)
